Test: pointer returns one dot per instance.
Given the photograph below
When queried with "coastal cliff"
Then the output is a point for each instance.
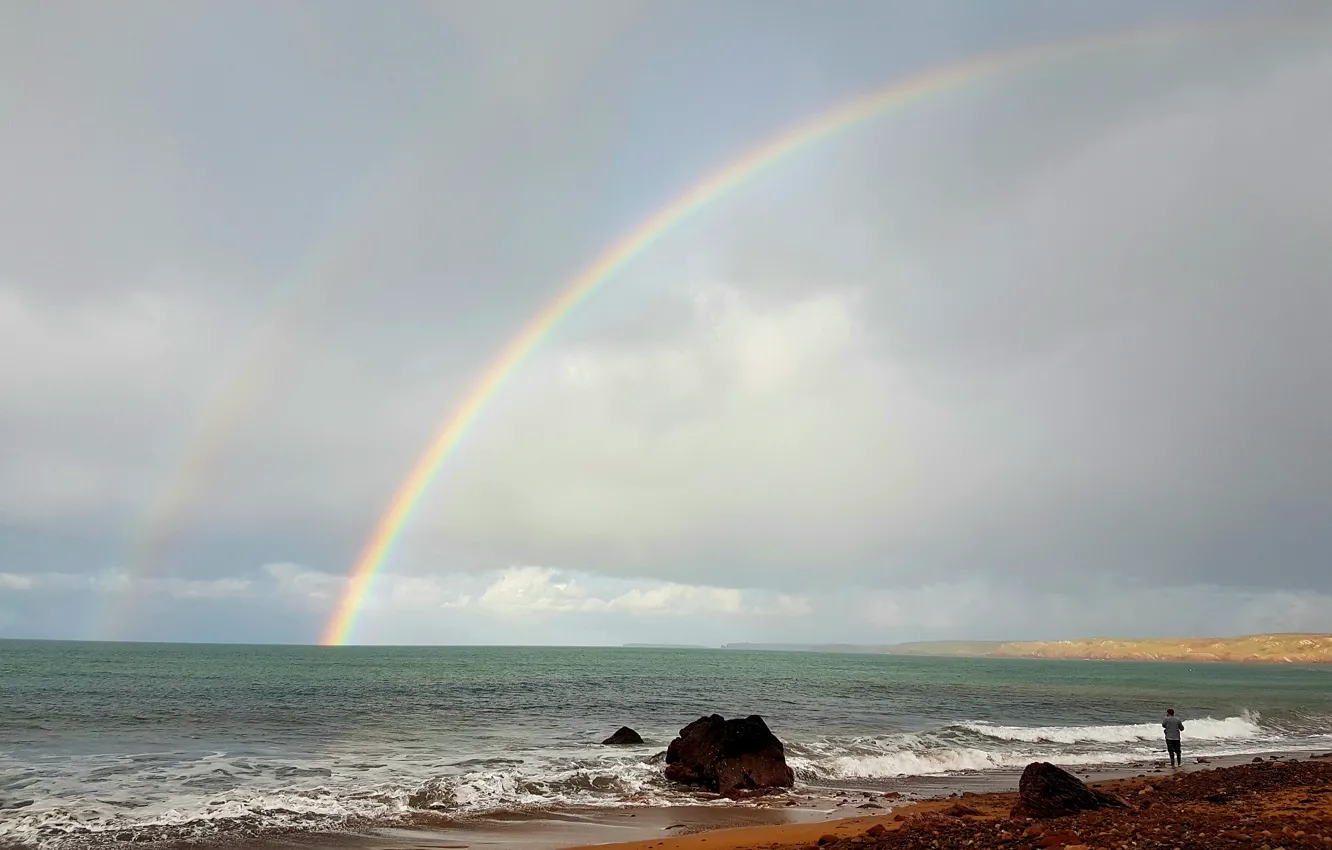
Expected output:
(1280, 648)
(1269, 648)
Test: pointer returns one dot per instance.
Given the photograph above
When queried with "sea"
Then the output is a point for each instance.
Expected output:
(107, 744)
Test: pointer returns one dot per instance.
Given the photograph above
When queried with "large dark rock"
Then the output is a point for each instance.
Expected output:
(1045, 791)
(624, 735)
(728, 756)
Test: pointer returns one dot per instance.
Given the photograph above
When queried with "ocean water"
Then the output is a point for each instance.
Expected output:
(115, 743)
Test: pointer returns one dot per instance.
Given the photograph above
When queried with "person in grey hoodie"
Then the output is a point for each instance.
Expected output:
(1173, 726)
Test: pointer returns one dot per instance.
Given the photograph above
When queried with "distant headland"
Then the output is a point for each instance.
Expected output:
(666, 646)
(1269, 648)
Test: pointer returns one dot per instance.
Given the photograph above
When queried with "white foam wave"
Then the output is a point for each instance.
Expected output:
(1201, 729)
(81, 815)
(183, 818)
(933, 763)
(979, 746)
(610, 782)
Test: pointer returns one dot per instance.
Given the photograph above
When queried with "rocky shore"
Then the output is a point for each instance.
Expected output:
(1264, 805)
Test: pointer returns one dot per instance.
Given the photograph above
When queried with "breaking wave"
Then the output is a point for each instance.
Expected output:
(1204, 729)
(215, 796)
(975, 746)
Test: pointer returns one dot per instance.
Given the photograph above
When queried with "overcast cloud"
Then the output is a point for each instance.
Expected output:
(1037, 357)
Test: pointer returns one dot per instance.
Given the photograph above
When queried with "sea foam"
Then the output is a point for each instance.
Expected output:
(1201, 729)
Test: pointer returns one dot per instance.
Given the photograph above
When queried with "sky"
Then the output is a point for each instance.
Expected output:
(1044, 355)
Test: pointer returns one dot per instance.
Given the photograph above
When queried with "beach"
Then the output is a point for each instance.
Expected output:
(1228, 802)
(1272, 803)
(139, 745)
(803, 816)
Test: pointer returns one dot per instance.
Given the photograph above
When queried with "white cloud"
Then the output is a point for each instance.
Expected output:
(115, 582)
(766, 425)
(678, 599)
(521, 590)
(10, 581)
(534, 589)
(207, 589)
(516, 592)
(536, 605)
(311, 586)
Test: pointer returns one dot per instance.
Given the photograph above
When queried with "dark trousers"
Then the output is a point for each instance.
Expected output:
(1172, 747)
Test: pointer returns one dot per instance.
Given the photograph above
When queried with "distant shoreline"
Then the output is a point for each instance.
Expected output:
(1293, 648)
(667, 646)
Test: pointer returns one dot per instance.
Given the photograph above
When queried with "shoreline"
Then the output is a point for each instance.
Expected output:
(1266, 817)
(796, 818)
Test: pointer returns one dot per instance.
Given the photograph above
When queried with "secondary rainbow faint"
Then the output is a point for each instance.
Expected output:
(252, 374)
(379, 546)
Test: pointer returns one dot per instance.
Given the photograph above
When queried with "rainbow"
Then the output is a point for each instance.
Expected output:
(250, 378)
(379, 546)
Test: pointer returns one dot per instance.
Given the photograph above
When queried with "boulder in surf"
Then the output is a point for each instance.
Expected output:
(731, 757)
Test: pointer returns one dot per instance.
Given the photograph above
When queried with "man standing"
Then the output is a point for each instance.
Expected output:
(1173, 726)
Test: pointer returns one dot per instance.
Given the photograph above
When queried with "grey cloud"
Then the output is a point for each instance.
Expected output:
(1055, 324)
(979, 609)
(1118, 366)
(79, 218)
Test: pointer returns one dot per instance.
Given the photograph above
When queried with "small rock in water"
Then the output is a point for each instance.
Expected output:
(623, 737)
